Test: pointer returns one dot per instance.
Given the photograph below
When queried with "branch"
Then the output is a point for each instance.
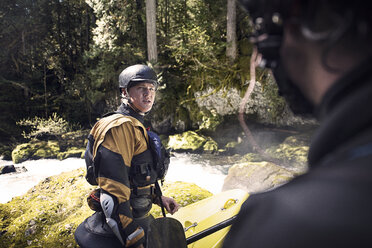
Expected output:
(244, 101)
(255, 59)
(16, 84)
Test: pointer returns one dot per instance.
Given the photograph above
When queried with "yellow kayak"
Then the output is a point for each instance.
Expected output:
(200, 216)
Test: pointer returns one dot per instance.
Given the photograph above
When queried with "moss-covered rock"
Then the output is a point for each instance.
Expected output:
(49, 213)
(22, 152)
(256, 176)
(73, 152)
(35, 150)
(49, 149)
(183, 193)
(210, 146)
(210, 120)
(71, 144)
(187, 141)
(233, 146)
(251, 157)
(293, 151)
(6, 152)
(73, 139)
(253, 174)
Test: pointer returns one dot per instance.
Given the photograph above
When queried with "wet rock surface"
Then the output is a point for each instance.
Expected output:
(48, 214)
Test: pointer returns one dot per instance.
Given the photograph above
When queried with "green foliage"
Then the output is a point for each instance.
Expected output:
(42, 45)
(53, 126)
(65, 57)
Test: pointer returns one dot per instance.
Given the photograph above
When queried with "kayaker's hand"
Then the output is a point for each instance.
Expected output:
(170, 204)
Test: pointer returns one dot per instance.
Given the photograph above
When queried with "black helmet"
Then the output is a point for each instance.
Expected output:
(137, 73)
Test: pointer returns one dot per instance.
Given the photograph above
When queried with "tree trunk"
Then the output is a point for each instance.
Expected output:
(231, 30)
(45, 91)
(152, 51)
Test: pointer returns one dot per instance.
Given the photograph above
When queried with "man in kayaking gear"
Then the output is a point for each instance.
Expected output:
(125, 161)
(320, 54)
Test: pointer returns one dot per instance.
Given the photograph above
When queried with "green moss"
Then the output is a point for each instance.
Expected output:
(189, 140)
(48, 149)
(231, 144)
(293, 154)
(49, 213)
(183, 193)
(293, 151)
(210, 120)
(210, 146)
(251, 157)
(298, 140)
(21, 153)
(35, 150)
(71, 152)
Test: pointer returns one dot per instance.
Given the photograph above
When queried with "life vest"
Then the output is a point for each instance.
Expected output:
(146, 167)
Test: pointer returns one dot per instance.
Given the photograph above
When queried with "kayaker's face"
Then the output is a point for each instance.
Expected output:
(142, 96)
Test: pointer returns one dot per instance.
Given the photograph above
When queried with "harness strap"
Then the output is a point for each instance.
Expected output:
(159, 194)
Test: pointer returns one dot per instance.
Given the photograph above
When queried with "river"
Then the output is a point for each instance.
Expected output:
(203, 171)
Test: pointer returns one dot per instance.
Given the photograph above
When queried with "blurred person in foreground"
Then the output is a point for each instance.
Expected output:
(319, 52)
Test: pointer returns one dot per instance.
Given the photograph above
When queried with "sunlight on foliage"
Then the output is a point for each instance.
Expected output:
(54, 125)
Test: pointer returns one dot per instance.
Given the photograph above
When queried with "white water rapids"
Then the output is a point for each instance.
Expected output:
(183, 167)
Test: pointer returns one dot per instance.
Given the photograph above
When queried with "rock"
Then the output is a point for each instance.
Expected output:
(187, 141)
(256, 176)
(293, 151)
(7, 169)
(75, 139)
(184, 194)
(162, 126)
(11, 168)
(22, 152)
(232, 146)
(49, 213)
(264, 105)
(253, 174)
(191, 141)
(210, 120)
(210, 146)
(48, 149)
(71, 152)
(21, 169)
(5, 152)
(71, 144)
(35, 150)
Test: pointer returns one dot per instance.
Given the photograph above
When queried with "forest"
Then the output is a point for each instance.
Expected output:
(59, 67)
(63, 58)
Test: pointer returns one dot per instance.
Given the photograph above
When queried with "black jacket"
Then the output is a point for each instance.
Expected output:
(331, 205)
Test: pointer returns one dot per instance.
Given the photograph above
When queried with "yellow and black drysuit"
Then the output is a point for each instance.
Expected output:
(118, 146)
